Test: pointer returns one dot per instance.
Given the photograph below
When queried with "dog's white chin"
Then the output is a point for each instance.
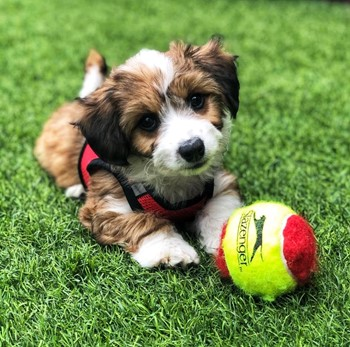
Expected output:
(186, 171)
(173, 184)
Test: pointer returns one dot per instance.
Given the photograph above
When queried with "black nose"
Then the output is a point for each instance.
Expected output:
(192, 150)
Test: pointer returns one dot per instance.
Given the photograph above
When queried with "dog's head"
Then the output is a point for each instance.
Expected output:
(170, 109)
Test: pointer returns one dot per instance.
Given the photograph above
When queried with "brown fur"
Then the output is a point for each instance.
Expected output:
(94, 58)
(59, 146)
(115, 228)
(210, 59)
(143, 142)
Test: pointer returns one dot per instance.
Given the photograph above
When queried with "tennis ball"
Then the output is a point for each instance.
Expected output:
(267, 250)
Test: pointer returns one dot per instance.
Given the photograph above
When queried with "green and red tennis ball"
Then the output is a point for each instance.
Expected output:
(267, 250)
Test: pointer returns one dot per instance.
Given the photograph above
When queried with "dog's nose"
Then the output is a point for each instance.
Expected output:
(192, 150)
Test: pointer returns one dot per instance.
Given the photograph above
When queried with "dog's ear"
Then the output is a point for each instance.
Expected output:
(222, 66)
(100, 124)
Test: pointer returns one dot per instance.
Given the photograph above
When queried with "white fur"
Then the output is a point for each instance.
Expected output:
(93, 79)
(168, 248)
(75, 191)
(179, 126)
(117, 205)
(210, 220)
(155, 61)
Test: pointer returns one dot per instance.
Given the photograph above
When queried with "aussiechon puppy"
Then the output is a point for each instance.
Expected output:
(149, 141)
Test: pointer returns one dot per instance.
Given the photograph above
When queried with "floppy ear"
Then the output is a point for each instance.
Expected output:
(101, 128)
(222, 66)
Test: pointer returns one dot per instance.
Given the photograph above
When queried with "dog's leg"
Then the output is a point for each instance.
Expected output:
(211, 219)
(151, 240)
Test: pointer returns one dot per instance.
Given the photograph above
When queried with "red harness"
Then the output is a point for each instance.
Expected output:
(139, 197)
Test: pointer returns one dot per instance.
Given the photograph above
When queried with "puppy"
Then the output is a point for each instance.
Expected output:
(149, 142)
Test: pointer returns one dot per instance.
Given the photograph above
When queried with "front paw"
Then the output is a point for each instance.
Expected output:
(210, 222)
(210, 234)
(165, 248)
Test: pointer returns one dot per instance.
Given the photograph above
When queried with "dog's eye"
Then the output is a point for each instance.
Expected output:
(149, 122)
(196, 101)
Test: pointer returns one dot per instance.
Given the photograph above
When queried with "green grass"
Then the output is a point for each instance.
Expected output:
(290, 143)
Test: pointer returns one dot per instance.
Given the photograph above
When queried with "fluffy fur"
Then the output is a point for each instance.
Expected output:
(164, 120)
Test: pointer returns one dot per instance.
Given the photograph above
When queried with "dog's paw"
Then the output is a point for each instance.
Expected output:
(75, 191)
(164, 248)
(210, 222)
(210, 235)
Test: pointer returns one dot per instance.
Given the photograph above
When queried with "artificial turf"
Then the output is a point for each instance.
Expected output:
(290, 143)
